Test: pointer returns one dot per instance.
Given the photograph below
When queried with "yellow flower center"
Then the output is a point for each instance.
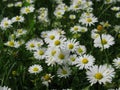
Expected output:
(61, 56)
(72, 59)
(53, 52)
(89, 20)
(47, 77)
(57, 42)
(20, 31)
(27, 10)
(75, 28)
(52, 37)
(84, 60)
(6, 23)
(11, 43)
(98, 76)
(104, 41)
(32, 45)
(35, 69)
(41, 52)
(64, 71)
(17, 18)
(58, 13)
(80, 50)
(70, 46)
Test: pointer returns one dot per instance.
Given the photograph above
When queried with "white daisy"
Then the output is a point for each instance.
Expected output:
(61, 56)
(28, 9)
(46, 79)
(72, 16)
(12, 43)
(88, 21)
(59, 13)
(51, 35)
(75, 29)
(116, 63)
(18, 19)
(4, 88)
(57, 42)
(5, 23)
(40, 53)
(85, 61)
(117, 28)
(64, 72)
(81, 49)
(31, 45)
(115, 8)
(100, 74)
(35, 69)
(72, 59)
(50, 55)
(71, 45)
(20, 32)
(118, 15)
(94, 34)
(18, 4)
(105, 41)
(30, 1)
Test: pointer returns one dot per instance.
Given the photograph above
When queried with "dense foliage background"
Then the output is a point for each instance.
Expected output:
(14, 62)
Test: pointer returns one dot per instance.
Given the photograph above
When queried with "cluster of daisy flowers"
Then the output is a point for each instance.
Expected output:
(56, 49)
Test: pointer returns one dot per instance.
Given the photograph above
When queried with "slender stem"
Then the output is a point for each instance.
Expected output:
(104, 10)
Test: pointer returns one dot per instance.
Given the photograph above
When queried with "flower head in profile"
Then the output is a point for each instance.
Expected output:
(46, 79)
(116, 63)
(64, 72)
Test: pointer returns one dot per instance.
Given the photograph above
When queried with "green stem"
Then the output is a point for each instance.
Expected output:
(104, 10)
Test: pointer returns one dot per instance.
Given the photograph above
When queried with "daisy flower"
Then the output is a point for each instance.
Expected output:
(80, 50)
(88, 21)
(40, 53)
(118, 15)
(51, 35)
(50, 55)
(72, 16)
(64, 72)
(4, 88)
(18, 19)
(28, 9)
(116, 63)
(20, 32)
(46, 79)
(105, 41)
(101, 74)
(12, 43)
(5, 23)
(94, 34)
(59, 13)
(18, 4)
(57, 42)
(117, 28)
(30, 45)
(72, 59)
(85, 61)
(75, 29)
(115, 8)
(61, 56)
(35, 69)
(71, 45)
(83, 29)
(30, 1)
